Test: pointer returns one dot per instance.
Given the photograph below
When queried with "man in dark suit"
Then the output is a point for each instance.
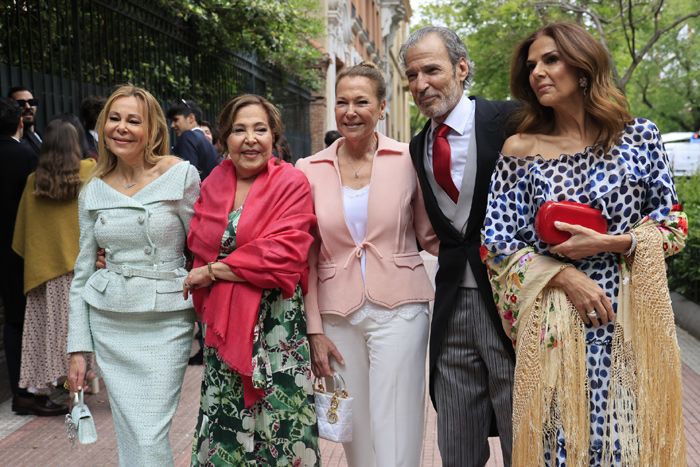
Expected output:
(18, 161)
(471, 359)
(28, 104)
(192, 144)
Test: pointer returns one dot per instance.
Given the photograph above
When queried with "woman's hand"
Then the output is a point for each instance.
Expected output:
(76, 371)
(586, 242)
(322, 348)
(100, 263)
(591, 302)
(197, 277)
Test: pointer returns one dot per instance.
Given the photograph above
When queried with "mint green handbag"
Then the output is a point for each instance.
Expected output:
(79, 422)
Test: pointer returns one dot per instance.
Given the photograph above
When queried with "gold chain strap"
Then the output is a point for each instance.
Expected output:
(332, 411)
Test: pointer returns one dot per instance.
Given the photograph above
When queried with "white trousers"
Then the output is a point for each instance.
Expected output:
(385, 374)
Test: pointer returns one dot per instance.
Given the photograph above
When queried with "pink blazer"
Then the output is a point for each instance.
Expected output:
(394, 272)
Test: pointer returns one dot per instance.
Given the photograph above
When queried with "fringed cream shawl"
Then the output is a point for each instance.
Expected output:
(551, 386)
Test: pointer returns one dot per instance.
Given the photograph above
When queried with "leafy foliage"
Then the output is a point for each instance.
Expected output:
(654, 45)
(278, 32)
(684, 268)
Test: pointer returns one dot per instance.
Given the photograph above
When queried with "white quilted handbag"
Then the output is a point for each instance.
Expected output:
(333, 410)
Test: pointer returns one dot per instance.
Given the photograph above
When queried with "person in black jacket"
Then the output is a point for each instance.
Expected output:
(192, 144)
(471, 359)
(18, 161)
(24, 97)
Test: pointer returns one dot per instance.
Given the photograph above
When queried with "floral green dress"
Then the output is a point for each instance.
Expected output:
(280, 429)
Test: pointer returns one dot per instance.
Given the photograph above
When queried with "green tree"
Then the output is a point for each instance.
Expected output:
(278, 32)
(653, 45)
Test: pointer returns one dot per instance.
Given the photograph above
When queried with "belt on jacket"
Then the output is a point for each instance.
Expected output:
(357, 252)
(167, 270)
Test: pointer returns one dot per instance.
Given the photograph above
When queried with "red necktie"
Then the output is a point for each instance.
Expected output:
(442, 162)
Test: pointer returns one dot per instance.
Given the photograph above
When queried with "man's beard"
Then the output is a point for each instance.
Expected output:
(28, 122)
(446, 105)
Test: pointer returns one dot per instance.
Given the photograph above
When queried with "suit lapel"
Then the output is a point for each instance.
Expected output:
(486, 136)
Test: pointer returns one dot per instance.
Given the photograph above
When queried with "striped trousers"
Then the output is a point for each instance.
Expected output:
(473, 379)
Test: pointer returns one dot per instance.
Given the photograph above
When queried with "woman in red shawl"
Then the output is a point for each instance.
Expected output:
(250, 237)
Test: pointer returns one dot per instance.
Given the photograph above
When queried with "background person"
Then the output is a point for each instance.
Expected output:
(131, 314)
(250, 239)
(598, 374)
(29, 104)
(471, 358)
(85, 151)
(330, 137)
(18, 161)
(367, 305)
(192, 145)
(90, 109)
(49, 204)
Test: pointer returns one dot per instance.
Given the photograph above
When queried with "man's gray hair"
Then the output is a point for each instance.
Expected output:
(456, 49)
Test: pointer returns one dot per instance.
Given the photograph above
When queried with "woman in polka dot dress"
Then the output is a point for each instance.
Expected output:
(588, 390)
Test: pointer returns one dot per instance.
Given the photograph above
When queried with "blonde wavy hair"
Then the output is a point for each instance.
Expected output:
(156, 129)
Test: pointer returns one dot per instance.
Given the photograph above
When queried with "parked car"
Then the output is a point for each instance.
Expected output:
(683, 150)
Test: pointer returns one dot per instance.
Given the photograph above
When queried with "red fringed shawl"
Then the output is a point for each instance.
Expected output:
(272, 244)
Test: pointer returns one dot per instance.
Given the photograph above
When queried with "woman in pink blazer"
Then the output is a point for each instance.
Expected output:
(367, 303)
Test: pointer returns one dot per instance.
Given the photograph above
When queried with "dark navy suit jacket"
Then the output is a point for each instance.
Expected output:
(194, 147)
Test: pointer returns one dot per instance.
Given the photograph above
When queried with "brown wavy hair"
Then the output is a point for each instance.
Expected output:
(603, 101)
(156, 129)
(228, 115)
(57, 174)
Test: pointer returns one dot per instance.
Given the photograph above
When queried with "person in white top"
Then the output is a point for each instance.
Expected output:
(367, 303)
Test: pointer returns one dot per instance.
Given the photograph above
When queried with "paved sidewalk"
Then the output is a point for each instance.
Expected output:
(36, 442)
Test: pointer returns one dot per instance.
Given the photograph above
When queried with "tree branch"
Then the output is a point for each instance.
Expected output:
(636, 59)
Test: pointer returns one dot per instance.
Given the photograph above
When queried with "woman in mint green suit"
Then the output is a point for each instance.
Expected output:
(132, 314)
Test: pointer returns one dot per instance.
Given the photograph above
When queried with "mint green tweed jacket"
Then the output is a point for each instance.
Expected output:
(144, 240)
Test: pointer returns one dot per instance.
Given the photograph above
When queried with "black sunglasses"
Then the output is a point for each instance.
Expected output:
(31, 102)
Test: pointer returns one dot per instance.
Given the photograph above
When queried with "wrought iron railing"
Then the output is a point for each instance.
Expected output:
(65, 50)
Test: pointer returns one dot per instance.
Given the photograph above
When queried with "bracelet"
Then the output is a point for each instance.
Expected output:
(633, 245)
(211, 272)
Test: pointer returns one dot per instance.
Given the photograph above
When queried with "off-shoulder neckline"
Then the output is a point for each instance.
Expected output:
(587, 151)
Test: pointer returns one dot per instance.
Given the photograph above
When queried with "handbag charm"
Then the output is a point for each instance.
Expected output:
(333, 410)
(79, 422)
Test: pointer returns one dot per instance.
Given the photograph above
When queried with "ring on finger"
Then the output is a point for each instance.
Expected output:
(592, 314)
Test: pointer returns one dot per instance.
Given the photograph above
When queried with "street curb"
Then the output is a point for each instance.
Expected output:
(687, 314)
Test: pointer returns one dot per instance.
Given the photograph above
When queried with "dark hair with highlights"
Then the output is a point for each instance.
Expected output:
(58, 170)
(603, 102)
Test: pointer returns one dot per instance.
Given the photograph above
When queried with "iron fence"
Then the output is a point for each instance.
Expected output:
(65, 50)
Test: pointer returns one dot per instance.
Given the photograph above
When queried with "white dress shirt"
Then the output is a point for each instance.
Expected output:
(461, 123)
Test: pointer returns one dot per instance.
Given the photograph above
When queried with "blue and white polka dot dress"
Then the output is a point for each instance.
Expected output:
(630, 181)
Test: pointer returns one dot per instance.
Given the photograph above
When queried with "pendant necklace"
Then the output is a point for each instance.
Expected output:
(356, 172)
(129, 185)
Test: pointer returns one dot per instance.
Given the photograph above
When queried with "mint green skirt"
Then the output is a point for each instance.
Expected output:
(143, 358)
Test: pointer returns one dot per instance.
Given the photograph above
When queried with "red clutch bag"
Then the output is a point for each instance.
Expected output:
(569, 212)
